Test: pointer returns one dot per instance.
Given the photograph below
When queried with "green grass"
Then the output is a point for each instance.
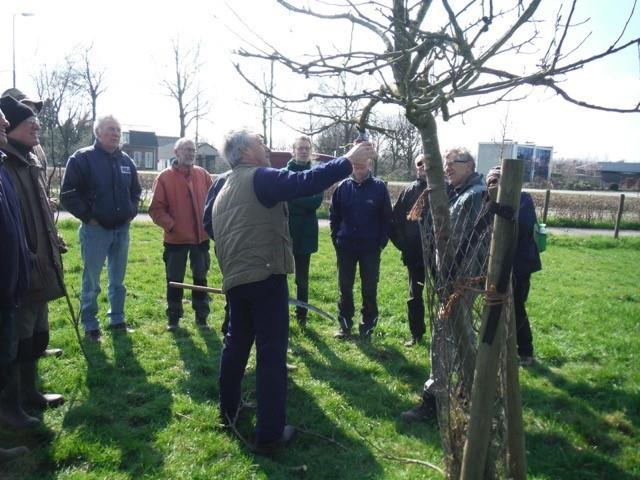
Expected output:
(146, 408)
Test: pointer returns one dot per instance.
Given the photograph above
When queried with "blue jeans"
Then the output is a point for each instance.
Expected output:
(98, 244)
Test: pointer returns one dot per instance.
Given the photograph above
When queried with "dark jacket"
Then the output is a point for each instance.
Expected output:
(14, 255)
(405, 234)
(41, 234)
(360, 214)
(527, 258)
(303, 221)
(213, 192)
(101, 185)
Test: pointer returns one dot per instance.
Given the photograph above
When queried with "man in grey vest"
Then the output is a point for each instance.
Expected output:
(253, 246)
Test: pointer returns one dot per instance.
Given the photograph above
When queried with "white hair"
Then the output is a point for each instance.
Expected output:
(234, 142)
(101, 120)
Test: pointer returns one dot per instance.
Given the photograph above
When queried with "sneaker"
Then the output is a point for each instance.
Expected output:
(425, 410)
(411, 342)
(53, 352)
(342, 334)
(93, 335)
(526, 361)
(121, 328)
(268, 448)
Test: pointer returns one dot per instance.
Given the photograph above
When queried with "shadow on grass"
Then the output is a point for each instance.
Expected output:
(600, 415)
(117, 423)
(202, 367)
(325, 448)
(350, 380)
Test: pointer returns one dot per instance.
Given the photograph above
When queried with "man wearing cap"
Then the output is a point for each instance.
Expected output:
(101, 188)
(42, 241)
(179, 194)
(36, 106)
(14, 281)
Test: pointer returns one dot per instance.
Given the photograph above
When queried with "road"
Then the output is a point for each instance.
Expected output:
(143, 217)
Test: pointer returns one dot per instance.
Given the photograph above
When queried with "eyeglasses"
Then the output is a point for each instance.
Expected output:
(449, 164)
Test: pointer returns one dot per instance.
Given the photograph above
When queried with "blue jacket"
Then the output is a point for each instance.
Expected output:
(213, 192)
(15, 263)
(527, 258)
(102, 186)
(360, 215)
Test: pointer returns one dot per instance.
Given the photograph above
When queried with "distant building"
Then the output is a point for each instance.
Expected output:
(142, 147)
(537, 159)
(623, 175)
(165, 150)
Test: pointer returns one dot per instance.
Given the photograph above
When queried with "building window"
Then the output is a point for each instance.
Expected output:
(125, 138)
(148, 160)
(137, 158)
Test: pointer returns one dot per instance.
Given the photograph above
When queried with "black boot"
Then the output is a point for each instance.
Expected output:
(6, 455)
(28, 388)
(11, 413)
(426, 410)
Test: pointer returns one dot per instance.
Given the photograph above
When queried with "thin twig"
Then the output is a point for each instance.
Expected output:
(399, 459)
(318, 435)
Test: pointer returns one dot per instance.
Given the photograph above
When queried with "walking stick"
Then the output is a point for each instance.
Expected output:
(292, 301)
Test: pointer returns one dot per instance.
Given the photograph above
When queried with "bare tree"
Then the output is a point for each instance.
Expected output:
(402, 144)
(184, 86)
(89, 80)
(435, 59)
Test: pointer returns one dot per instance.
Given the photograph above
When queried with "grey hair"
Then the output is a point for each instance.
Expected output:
(101, 120)
(182, 141)
(234, 142)
(461, 154)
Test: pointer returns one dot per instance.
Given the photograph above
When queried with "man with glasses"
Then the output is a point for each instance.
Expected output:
(467, 193)
(303, 225)
(405, 235)
(179, 194)
(32, 323)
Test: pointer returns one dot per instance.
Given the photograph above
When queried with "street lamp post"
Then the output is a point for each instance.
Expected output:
(13, 50)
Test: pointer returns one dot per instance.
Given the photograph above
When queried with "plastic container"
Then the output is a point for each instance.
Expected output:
(540, 236)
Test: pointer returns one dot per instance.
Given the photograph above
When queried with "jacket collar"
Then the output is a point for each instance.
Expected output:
(474, 179)
(98, 146)
(366, 179)
(297, 167)
(21, 152)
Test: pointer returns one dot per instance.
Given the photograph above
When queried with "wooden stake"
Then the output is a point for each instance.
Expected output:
(619, 216)
(492, 329)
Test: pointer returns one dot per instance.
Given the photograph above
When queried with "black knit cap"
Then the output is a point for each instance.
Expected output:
(15, 111)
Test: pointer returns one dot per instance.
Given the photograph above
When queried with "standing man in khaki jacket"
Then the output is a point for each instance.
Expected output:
(179, 194)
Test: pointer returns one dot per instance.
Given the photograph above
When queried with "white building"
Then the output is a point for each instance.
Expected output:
(537, 159)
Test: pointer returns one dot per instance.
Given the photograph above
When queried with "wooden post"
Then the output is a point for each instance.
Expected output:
(619, 216)
(492, 328)
(545, 208)
(516, 453)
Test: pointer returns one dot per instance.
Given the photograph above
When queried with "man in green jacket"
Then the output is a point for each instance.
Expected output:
(303, 225)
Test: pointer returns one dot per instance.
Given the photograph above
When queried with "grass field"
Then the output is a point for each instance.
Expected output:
(146, 408)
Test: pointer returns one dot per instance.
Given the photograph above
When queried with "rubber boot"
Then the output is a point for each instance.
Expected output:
(28, 387)
(6, 455)
(11, 413)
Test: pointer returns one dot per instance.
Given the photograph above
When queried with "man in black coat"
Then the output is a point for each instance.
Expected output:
(405, 235)
(14, 280)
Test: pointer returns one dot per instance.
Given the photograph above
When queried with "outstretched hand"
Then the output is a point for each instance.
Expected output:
(360, 153)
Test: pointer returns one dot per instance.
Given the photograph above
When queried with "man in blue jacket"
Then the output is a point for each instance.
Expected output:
(101, 188)
(526, 260)
(360, 219)
(253, 247)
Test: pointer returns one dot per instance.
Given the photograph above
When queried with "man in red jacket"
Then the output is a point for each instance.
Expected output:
(179, 194)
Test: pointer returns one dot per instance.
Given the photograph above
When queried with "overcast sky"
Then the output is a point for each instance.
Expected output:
(132, 41)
